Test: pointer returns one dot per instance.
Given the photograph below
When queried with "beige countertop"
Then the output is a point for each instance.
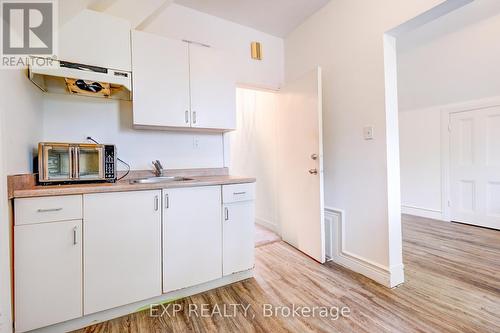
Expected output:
(24, 186)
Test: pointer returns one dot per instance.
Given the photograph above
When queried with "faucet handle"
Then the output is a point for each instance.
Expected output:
(159, 164)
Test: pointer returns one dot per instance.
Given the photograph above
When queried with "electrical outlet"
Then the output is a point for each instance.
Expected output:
(196, 142)
(368, 132)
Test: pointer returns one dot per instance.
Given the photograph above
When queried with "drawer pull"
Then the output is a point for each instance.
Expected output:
(49, 210)
(239, 193)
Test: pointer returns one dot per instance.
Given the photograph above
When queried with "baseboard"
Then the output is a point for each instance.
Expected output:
(389, 277)
(422, 212)
(99, 317)
(267, 224)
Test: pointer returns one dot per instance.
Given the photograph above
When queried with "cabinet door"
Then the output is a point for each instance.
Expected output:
(97, 39)
(192, 236)
(213, 89)
(238, 237)
(161, 81)
(122, 252)
(47, 273)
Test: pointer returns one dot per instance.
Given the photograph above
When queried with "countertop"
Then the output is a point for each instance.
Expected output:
(24, 186)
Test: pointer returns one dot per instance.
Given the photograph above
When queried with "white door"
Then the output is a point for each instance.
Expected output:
(213, 89)
(475, 167)
(161, 81)
(192, 236)
(122, 252)
(238, 236)
(300, 147)
(48, 274)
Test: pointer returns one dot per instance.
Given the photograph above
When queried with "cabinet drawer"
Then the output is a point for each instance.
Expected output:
(47, 209)
(238, 192)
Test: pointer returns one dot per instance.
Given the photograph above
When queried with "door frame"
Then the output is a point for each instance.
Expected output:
(446, 112)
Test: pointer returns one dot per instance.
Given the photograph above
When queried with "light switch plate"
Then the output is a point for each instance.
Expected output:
(368, 132)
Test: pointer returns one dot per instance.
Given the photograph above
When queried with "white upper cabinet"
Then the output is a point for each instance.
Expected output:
(213, 89)
(97, 39)
(181, 85)
(161, 81)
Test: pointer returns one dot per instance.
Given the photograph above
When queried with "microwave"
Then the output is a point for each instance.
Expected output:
(62, 163)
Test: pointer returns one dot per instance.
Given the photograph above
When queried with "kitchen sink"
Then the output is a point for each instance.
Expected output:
(155, 180)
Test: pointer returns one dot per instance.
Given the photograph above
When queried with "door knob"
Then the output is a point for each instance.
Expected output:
(313, 171)
(314, 157)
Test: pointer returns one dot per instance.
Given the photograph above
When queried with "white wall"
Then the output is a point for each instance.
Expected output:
(453, 59)
(346, 39)
(420, 147)
(72, 119)
(24, 119)
(67, 118)
(20, 129)
(254, 147)
(184, 23)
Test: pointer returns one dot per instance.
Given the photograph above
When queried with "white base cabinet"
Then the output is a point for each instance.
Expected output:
(238, 237)
(78, 255)
(122, 252)
(192, 236)
(48, 273)
(238, 228)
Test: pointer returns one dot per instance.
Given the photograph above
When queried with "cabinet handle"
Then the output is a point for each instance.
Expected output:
(186, 116)
(194, 117)
(157, 204)
(75, 235)
(49, 210)
(167, 201)
(226, 213)
(239, 193)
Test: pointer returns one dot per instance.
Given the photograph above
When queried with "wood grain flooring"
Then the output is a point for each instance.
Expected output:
(452, 285)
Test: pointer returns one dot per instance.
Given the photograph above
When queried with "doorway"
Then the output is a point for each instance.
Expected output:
(474, 167)
(279, 141)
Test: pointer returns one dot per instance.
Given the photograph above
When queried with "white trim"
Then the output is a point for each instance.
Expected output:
(389, 277)
(446, 111)
(268, 225)
(422, 212)
(99, 317)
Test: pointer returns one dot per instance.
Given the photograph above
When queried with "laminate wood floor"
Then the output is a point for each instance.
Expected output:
(452, 285)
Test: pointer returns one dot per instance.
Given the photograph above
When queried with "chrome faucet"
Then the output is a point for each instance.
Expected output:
(158, 168)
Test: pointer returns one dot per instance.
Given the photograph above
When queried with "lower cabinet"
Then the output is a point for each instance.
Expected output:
(122, 252)
(192, 236)
(48, 273)
(238, 237)
(78, 255)
(238, 227)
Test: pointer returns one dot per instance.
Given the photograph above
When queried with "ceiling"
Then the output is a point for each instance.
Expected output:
(275, 17)
(473, 13)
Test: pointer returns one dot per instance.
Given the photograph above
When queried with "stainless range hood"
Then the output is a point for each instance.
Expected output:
(63, 77)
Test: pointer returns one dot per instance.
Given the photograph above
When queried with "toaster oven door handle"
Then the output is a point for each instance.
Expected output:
(102, 162)
(76, 162)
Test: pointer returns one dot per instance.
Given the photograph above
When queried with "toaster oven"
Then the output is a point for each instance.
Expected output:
(60, 163)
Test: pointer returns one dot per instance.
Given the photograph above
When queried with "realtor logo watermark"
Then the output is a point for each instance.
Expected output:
(28, 29)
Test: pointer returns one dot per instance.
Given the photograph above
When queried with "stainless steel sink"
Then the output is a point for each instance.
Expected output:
(155, 180)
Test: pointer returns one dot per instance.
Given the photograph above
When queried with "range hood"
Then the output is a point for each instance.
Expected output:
(63, 77)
